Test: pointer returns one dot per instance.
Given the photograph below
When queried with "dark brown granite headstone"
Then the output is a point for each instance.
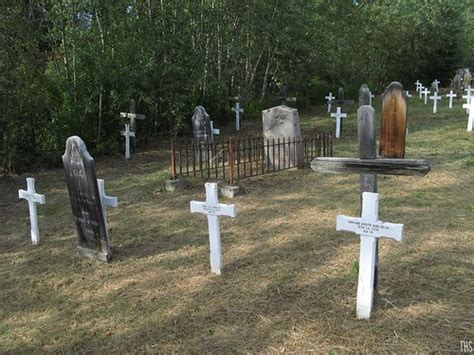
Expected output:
(85, 201)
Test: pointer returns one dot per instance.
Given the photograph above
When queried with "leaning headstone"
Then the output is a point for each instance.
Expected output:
(33, 198)
(283, 122)
(364, 95)
(84, 196)
(394, 122)
(202, 132)
(457, 85)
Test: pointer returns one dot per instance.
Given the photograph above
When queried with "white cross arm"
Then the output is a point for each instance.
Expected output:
(375, 229)
(128, 133)
(33, 197)
(136, 116)
(213, 210)
(216, 131)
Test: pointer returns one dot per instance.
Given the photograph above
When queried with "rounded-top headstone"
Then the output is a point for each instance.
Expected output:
(457, 85)
(340, 93)
(394, 122)
(364, 95)
(467, 78)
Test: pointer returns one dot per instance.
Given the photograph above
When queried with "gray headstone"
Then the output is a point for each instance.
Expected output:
(364, 95)
(201, 132)
(85, 201)
(283, 122)
(467, 78)
(457, 85)
(340, 93)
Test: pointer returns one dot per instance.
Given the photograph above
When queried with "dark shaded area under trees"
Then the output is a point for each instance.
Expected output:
(70, 66)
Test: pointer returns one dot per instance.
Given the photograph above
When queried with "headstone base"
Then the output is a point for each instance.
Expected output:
(93, 254)
(173, 185)
(230, 191)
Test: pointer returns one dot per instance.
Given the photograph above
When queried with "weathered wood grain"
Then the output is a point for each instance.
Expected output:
(407, 167)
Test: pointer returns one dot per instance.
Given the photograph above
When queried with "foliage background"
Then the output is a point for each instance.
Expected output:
(70, 66)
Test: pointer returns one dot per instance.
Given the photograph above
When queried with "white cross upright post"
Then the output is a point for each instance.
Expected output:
(213, 209)
(407, 93)
(329, 98)
(339, 115)
(468, 96)
(436, 82)
(418, 84)
(435, 99)
(421, 90)
(470, 121)
(369, 228)
(425, 93)
(370, 98)
(33, 198)
(451, 95)
(127, 133)
(105, 201)
(214, 131)
(237, 111)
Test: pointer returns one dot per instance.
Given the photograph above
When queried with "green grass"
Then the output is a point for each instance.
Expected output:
(289, 280)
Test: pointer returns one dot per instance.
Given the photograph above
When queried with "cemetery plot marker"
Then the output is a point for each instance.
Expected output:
(436, 83)
(33, 198)
(451, 95)
(329, 98)
(418, 85)
(284, 96)
(127, 134)
(435, 99)
(364, 95)
(370, 229)
(106, 201)
(133, 116)
(213, 209)
(394, 122)
(470, 121)
(237, 111)
(339, 116)
(86, 203)
(425, 92)
(202, 132)
(421, 90)
(371, 97)
(214, 131)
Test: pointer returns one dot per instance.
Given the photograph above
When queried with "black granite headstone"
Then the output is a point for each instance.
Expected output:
(202, 132)
(85, 201)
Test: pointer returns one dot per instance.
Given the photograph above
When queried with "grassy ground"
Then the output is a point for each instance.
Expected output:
(289, 281)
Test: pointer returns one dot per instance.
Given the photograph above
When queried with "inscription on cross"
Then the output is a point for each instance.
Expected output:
(213, 209)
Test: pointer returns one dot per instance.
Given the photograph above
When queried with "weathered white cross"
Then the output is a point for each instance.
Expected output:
(418, 85)
(451, 95)
(339, 115)
(33, 198)
(435, 99)
(369, 228)
(468, 97)
(105, 201)
(214, 131)
(127, 133)
(237, 111)
(133, 116)
(329, 98)
(436, 82)
(421, 90)
(213, 209)
(470, 120)
(426, 92)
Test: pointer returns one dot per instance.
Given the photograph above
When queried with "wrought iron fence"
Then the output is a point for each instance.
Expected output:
(236, 158)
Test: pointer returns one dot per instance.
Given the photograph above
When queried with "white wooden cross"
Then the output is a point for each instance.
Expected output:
(237, 111)
(33, 198)
(426, 92)
(421, 90)
(407, 93)
(329, 98)
(435, 99)
(451, 95)
(470, 121)
(370, 98)
(127, 133)
(214, 131)
(339, 115)
(468, 97)
(213, 209)
(369, 228)
(105, 201)
(418, 85)
(436, 82)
